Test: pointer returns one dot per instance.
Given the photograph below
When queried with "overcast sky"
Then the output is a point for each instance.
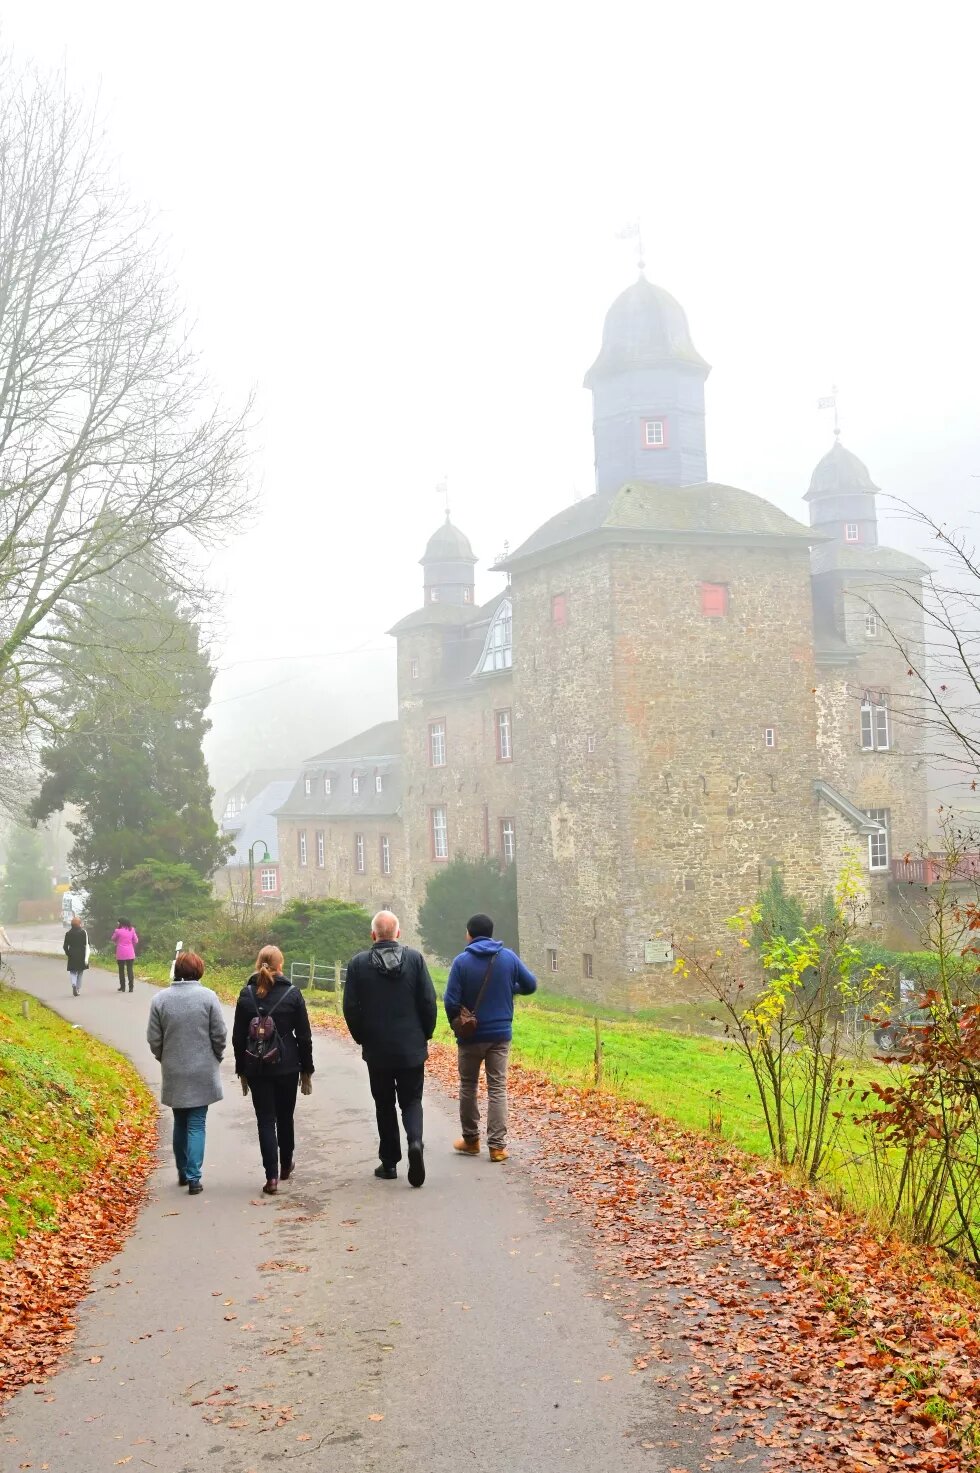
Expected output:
(397, 222)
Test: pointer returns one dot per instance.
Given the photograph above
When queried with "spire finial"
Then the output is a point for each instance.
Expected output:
(829, 401)
(442, 489)
(634, 231)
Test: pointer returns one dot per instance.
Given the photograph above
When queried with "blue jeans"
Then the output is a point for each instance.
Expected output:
(189, 1141)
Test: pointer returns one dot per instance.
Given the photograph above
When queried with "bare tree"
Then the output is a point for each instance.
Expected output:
(942, 697)
(112, 447)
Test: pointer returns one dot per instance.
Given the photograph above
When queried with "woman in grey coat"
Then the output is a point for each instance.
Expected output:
(187, 1033)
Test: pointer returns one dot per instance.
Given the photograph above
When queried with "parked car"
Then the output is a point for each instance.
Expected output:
(897, 1036)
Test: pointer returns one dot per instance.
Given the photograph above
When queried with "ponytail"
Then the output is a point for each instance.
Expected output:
(268, 965)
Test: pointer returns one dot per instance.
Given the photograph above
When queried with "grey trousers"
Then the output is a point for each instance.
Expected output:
(493, 1056)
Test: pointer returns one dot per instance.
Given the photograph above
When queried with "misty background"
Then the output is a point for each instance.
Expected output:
(399, 226)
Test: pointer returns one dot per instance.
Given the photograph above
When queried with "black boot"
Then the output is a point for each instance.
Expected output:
(386, 1173)
(416, 1164)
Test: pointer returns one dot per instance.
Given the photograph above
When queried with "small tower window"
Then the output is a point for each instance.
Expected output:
(871, 625)
(414, 667)
(714, 600)
(433, 595)
(378, 783)
(654, 434)
(851, 532)
(770, 736)
(467, 595)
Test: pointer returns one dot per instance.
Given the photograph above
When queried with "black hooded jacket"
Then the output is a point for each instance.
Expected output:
(390, 1005)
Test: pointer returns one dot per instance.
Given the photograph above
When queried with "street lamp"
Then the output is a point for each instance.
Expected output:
(266, 857)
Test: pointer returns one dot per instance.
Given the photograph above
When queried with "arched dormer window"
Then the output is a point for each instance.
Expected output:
(498, 651)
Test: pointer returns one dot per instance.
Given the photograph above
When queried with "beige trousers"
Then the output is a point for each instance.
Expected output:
(493, 1056)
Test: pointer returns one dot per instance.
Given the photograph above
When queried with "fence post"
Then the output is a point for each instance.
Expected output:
(25, 1007)
(336, 988)
(598, 1054)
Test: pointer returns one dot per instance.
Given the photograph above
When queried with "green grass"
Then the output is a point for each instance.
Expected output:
(60, 1094)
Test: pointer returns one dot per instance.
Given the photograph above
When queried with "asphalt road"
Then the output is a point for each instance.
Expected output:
(452, 1328)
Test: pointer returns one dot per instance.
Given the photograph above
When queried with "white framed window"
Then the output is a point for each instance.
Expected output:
(385, 855)
(654, 437)
(359, 853)
(467, 595)
(269, 881)
(433, 595)
(307, 786)
(498, 651)
(355, 783)
(770, 736)
(875, 722)
(302, 846)
(320, 850)
(552, 959)
(505, 750)
(437, 744)
(851, 533)
(378, 783)
(590, 743)
(871, 624)
(327, 787)
(414, 667)
(586, 964)
(508, 840)
(878, 843)
(439, 833)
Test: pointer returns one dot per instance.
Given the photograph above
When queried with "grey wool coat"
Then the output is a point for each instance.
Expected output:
(187, 1033)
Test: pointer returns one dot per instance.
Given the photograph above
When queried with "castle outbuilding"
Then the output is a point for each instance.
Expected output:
(680, 689)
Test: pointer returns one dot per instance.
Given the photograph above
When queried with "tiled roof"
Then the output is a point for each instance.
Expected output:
(835, 557)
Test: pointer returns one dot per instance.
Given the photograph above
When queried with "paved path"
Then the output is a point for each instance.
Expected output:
(452, 1328)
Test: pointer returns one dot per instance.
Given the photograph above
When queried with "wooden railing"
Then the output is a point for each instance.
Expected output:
(929, 869)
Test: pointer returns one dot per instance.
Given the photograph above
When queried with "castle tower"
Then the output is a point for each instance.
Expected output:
(448, 563)
(842, 499)
(647, 394)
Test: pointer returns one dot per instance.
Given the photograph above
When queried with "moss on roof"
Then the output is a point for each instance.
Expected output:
(709, 512)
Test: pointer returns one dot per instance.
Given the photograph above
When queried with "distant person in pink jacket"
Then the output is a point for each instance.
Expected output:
(126, 941)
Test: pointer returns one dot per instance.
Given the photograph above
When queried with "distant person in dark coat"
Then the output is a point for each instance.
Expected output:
(267, 993)
(390, 1008)
(489, 962)
(187, 1033)
(76, 950)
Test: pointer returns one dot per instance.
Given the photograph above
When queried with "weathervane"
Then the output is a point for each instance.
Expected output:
(829, 401)
(442, 489)
(634, 231)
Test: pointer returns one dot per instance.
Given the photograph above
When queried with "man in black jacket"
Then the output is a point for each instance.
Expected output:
(390, 1009)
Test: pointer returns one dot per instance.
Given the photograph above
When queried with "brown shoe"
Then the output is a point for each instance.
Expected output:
(498, 1153)
(465, 1147)
(272, 1186)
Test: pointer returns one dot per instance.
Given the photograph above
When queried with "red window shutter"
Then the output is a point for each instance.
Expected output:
(559, 609)
(714, 599)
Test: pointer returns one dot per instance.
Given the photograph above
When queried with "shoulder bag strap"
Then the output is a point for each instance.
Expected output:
(484, 984)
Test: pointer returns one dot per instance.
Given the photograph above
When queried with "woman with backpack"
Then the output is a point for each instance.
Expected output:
(273, 1053)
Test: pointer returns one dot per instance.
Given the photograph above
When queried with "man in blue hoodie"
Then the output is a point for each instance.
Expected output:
(485, 978)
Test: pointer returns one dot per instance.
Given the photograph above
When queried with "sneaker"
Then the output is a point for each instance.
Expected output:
(465, 1147)
(272, 1186)
(194, 1187)
(386, 1173)
(498, 1153)
(416, 1164)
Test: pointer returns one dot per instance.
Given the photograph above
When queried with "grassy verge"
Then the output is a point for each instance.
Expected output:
(61, 1094)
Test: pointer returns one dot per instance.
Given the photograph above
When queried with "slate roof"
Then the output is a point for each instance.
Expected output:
(705, 512)
(433, 614)
(837, 557)
(448, 545)
(644, 328)
(854, 815)
(258, 821)
(369, 754)
(840, 473)
(378, 741)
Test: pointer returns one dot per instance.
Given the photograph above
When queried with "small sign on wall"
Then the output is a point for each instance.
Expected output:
(655, 953)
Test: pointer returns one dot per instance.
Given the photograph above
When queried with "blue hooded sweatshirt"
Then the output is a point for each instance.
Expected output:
(509, 976)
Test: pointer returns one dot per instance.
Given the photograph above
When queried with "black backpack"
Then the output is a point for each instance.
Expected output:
(263, 1047)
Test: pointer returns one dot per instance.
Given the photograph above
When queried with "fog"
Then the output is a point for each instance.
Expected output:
(399, 224)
